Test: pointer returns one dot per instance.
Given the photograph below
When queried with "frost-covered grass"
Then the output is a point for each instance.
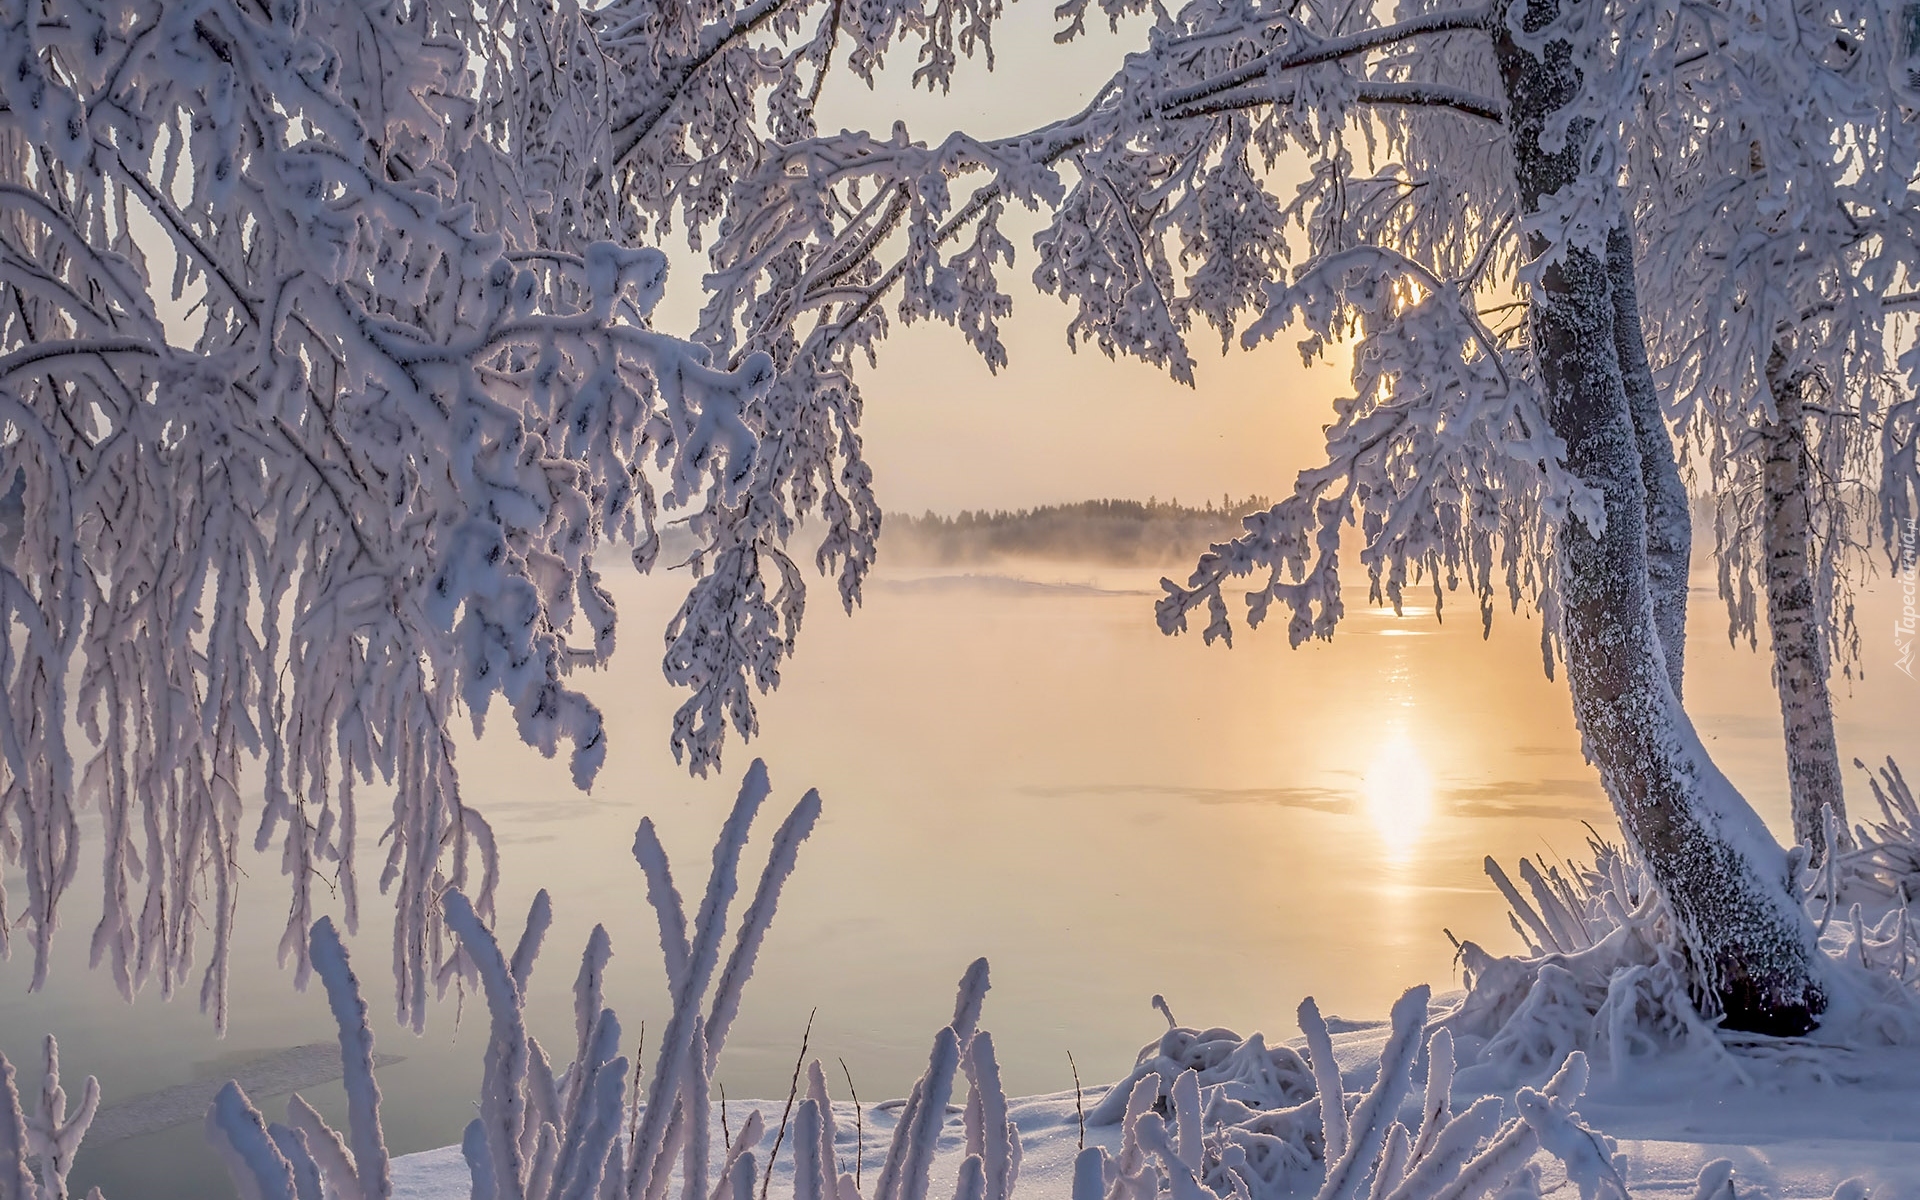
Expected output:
(1472, 1095)
(1605, 972)
(1884, 861)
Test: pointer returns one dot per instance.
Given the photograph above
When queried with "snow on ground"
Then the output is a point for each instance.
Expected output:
(1794, 1143)
(1786, 1143)
(1048, 1136)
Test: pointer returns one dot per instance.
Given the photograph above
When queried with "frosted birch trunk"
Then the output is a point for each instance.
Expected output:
(1720, 871)
(1668, 517)
(1799, 643)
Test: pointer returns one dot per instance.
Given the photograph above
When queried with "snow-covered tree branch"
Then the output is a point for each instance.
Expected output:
(345, 479)
(1473, 152)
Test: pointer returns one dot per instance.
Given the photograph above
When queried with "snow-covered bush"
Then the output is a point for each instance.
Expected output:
(1605, 973)
(1246, 1071)
(1252, 1123)
(1602, 983)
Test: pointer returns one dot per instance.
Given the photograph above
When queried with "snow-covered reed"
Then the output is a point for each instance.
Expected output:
(1885, 860)
(1209, 1114)
(48, 1139)
(542, 1135)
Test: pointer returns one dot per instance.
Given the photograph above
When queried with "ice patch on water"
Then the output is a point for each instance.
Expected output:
(276, 1073)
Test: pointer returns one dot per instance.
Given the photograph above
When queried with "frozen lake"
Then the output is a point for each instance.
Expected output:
(1014, 764)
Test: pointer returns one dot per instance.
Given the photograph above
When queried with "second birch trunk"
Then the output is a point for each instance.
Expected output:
(1794, 620)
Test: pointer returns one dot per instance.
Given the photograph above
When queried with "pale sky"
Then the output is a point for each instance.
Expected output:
(944, 434)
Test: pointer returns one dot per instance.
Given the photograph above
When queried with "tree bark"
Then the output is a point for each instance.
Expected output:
(1793, 622)
(1669, 518)
(1722, 874)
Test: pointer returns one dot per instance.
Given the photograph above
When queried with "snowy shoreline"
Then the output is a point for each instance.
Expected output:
(1784, 1144)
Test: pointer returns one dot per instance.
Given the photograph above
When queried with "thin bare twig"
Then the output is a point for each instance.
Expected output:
(1079, 1109)
(633, 1115)
(793, 1089)
(859, 1137)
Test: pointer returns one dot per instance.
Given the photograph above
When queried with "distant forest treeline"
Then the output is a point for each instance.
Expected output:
(1116, 532)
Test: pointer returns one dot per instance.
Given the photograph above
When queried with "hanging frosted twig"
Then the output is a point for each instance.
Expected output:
(416, 390)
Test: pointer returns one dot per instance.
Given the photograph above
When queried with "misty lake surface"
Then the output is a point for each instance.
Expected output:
(1014, 763)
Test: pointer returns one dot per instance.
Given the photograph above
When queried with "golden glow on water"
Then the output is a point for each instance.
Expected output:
(1397, 792)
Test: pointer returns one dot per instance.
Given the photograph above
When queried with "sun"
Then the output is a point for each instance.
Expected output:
(1398, 793)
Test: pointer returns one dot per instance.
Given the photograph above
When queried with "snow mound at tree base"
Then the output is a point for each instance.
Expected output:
(1606, 973)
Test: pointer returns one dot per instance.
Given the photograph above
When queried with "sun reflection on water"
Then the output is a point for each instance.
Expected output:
(1398, 793)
